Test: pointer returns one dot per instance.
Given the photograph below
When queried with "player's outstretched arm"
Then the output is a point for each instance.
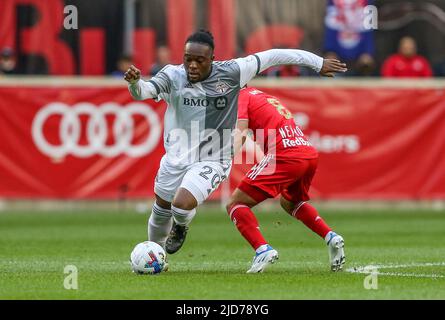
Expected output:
(252, 65)
(138, 88)
(275, 57)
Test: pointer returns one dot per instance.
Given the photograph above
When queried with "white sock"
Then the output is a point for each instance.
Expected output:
(159, 225)
(329, 236)
(261, 248)
(183, 217)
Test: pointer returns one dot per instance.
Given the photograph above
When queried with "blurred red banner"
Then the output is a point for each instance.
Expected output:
(98, 143)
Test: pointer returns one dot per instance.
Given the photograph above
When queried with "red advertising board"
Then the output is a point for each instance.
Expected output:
(81, 142)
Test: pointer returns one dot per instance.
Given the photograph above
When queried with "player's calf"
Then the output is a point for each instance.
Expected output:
(247, 224)
(307, 214)
(159, 224)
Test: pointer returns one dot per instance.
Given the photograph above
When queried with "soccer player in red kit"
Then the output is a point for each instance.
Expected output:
(287, 168)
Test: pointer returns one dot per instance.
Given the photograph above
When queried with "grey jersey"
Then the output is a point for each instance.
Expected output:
(200, 116)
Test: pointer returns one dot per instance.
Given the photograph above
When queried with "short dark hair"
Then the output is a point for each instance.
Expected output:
(202, 36)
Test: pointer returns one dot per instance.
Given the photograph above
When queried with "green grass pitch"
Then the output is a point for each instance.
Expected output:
(408, 247)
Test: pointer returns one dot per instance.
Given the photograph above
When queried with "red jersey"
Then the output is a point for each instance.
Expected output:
(268, 118)
(401, 66)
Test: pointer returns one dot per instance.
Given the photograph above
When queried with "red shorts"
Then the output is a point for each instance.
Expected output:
(291, 178)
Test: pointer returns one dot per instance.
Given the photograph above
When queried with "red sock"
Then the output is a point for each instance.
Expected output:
(309, 216)
(247, 224)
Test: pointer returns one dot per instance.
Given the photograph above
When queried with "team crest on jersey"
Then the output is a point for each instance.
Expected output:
(220, 103)
(221, 86)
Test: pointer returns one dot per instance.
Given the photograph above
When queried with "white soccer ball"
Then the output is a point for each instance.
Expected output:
(148, 258)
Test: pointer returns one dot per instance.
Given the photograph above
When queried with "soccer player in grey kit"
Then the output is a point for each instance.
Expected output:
(202, 99)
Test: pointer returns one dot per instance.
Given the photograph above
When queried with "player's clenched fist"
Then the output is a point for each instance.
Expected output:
(132, 75)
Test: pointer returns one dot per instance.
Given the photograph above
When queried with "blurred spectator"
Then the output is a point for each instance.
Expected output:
(162, 59)
(347, 37)
(406, 63)
(364, 66)
(7, 61)
(123, 64)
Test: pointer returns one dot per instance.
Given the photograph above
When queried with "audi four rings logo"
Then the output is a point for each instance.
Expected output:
(96, 130)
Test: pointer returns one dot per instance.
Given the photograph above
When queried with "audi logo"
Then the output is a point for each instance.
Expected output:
(97, 133)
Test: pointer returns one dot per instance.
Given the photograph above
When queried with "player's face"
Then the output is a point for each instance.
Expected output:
(197, 61)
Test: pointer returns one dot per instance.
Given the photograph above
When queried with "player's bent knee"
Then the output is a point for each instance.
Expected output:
(184, 204)
(184, 200)
(233, 201)
(230, 205)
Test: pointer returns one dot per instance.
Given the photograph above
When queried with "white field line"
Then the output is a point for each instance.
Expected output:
(368, 270)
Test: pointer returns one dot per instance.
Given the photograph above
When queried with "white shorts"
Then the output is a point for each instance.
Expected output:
(200, 178)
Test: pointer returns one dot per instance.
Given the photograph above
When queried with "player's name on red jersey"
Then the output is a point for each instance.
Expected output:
(273, 125)
(292, 136)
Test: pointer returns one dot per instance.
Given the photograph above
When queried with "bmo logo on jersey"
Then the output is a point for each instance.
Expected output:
(219, 103)
(195, 102)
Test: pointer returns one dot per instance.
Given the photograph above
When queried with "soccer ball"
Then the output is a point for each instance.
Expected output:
(148, 257)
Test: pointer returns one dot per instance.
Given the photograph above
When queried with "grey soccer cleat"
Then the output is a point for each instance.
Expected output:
(176, 238)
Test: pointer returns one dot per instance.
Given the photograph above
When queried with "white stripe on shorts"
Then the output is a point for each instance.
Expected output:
(256, 171)
(257, 167)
